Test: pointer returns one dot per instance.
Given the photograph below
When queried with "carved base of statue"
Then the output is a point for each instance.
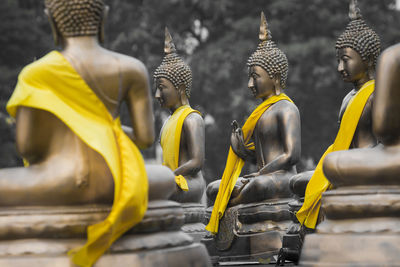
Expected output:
(42, 236)
(361, 228)
(194, 220)
(250, 232)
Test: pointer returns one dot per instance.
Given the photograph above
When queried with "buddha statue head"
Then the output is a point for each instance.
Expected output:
(72, 18)
(173, 78)
(268, 65)
(357, 48)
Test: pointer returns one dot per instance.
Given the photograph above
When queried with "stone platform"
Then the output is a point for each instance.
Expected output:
(250, 232)
(194, 220)
(361, 228)
(42, 236)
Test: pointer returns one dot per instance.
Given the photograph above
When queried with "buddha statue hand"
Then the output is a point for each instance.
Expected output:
(237, 190)
(237, 141)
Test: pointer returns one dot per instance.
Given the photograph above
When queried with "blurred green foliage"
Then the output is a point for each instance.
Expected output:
(215, 37)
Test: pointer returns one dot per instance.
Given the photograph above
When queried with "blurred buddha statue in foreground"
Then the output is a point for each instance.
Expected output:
(66, 106)
(182, 136)
(361, 226)
(270, 137)
(357, 50)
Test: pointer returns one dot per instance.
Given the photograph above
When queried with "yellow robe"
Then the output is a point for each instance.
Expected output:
(52, 84)
(234, 163)
(308, 214)
(171, 139)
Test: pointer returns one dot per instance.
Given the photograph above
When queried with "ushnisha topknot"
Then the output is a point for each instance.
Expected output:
(76, 17)
(268, 56)
(173, 67)
(359, 36)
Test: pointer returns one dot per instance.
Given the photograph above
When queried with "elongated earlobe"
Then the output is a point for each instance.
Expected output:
(277, 83)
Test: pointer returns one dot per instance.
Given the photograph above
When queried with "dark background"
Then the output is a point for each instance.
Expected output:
(215, 37)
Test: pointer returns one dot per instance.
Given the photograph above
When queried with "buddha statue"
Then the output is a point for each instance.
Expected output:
(377, 165)
(357, 51)
(271, 138)
(182, 136)
(362, 223)
(78, 156)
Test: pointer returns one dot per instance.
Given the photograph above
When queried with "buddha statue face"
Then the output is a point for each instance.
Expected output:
(351, 66)
(167, 94)
(357, 48)
(173, 78)
(268, 65)
(260, 83)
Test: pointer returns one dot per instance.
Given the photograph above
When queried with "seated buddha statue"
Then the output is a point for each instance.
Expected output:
(182, 136)
(377, 165)
(357, 51)
(68, 130)
(361, 226)
(270, 137)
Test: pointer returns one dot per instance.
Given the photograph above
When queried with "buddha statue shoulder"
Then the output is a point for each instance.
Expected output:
(357, 51)
(66, 106)
(182, 136)
(270, 137)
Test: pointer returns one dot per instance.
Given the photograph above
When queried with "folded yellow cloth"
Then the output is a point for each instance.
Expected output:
(171, 140)
(308, 214)
(234, 163)
(52, 84)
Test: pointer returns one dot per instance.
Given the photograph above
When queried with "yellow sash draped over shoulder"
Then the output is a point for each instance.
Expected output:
(234, 163)
(52, 84)
(308, 214)
(171, 139)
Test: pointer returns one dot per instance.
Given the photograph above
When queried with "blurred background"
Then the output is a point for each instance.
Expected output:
(215, 37)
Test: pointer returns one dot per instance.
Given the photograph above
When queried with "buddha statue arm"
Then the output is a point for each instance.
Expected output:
(140, 107)
(289, 124)
(193, 129)
(386, 124)
(32, 143)
(238, 146)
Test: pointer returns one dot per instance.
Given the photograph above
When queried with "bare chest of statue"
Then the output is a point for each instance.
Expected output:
(267, 136)
(363, 136)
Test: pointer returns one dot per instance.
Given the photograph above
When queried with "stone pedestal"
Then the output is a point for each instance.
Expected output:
(42, 236)
(194, 220)
(361, 228)
(250, 232)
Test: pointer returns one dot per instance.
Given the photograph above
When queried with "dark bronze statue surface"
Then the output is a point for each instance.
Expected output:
(173, 93)
(275, 153)
(257, 215)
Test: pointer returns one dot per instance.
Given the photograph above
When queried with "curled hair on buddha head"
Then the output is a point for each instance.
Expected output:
(268, 56)
(173, 67)
(76, 17)
(359, 36)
